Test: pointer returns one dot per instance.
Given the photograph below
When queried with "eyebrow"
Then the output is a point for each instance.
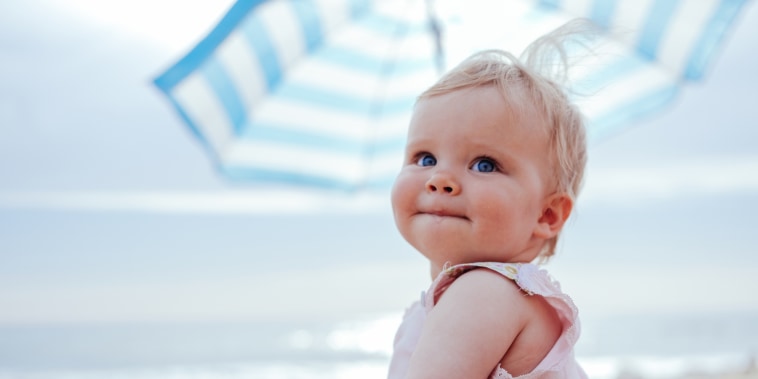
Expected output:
(487, 148)
(411, 143)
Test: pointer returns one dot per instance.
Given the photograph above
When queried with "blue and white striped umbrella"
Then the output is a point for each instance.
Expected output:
(319, 92)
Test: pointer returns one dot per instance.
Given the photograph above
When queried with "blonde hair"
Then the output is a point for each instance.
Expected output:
(535, 82)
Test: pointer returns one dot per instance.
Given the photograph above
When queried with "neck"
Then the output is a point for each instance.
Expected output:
(435, 270)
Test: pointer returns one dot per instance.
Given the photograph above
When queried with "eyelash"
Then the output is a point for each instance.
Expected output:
(418, 159)
(495, 165)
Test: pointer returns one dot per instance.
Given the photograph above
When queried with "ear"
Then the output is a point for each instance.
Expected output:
(555, 212)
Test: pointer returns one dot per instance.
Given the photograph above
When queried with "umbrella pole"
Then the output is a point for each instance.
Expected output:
(435, 27)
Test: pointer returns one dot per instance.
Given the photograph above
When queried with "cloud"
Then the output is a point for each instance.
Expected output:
(146, 19)
(213, 202)
(617, 186)
(695, 177)
(228, 298)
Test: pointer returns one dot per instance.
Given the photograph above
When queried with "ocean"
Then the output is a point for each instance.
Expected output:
(628, 345)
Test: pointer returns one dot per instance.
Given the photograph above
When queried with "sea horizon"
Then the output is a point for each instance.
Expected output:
(651, 345)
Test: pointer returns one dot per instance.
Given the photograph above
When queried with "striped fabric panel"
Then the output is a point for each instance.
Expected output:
(319, 92)
(652, 48)
(267, 113)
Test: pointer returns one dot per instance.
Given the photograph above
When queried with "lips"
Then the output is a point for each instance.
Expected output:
(444, 213)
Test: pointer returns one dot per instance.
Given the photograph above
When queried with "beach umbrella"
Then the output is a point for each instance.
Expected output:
(318, 93)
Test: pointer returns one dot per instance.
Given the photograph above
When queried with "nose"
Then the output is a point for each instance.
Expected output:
(443, 183)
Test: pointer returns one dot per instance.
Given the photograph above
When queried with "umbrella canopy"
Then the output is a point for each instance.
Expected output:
(319, 92)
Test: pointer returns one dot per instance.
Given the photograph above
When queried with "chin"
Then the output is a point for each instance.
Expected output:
(438, 252)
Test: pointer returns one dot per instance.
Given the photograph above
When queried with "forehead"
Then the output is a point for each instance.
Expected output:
(483, 112)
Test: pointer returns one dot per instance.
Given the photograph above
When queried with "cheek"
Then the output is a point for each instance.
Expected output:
(496, 219)
(403, 202)
(497, 214)
(402, 195)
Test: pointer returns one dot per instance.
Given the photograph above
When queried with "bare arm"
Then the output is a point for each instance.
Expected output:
(470, 329)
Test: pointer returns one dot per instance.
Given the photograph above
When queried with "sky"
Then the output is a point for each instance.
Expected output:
(110, 210)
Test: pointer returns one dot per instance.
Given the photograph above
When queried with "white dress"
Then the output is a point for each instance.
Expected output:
(558, 363)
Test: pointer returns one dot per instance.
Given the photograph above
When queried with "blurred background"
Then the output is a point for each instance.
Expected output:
(124, 254)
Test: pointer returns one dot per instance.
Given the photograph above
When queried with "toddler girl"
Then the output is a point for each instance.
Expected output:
(493, 164)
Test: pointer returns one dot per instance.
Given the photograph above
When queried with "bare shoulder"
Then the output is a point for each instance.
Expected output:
(520, 328)
(470, 329)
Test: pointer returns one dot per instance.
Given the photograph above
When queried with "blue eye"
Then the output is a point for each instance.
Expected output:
(484, 165)
(426, 160)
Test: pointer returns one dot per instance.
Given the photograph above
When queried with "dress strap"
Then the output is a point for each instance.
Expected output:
(509, 270)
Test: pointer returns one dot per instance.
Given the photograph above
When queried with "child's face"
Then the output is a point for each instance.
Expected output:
(474, 181)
